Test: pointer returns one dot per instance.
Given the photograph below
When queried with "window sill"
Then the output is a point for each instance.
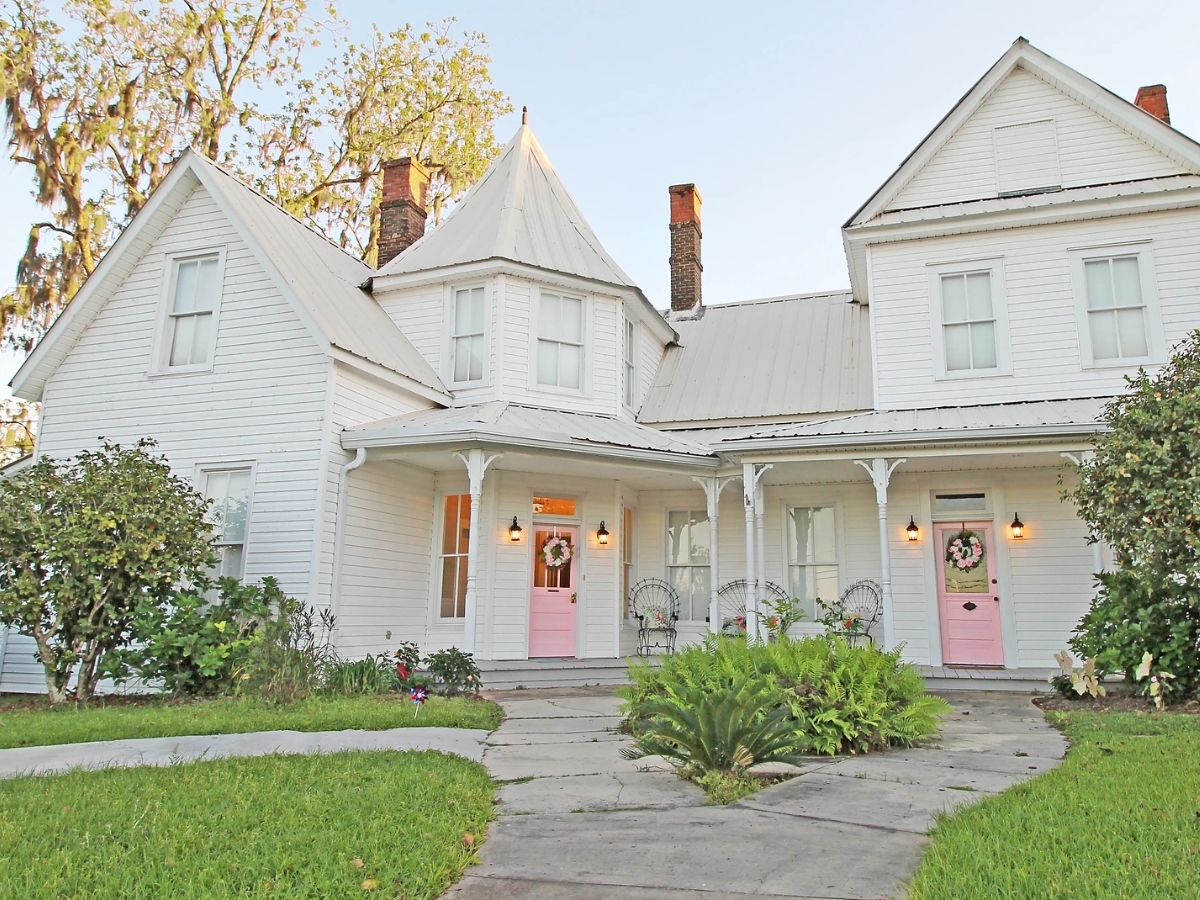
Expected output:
(1132, 362)
(972, 375)
(180, 370)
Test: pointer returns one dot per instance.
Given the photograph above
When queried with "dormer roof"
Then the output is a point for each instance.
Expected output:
(520, 211)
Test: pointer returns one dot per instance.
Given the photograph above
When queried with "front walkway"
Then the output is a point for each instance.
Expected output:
(578, 821)
(166, 751)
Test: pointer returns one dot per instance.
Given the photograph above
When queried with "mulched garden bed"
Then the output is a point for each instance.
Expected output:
(1112, 703)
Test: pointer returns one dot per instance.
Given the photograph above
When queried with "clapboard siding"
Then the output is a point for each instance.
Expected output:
(419, 313)
(263, 402)
(650, 355)
(1044, 334)
(385, 568)
(1091, 149)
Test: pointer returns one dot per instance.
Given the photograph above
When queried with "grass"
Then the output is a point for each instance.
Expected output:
(1119, 818)
(29, 723)
(357, 824)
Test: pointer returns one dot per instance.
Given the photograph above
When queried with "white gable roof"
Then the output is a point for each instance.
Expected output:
(320, 280)
(1151, 131)
(519, 211)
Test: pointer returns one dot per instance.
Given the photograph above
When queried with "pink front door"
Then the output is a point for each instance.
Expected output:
(552, 598)
(968, 594)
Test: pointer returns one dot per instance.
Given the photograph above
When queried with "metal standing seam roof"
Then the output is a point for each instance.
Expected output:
(325, 279)
(519, 211)
(1077, 416)
(797, 355)
(508, 421)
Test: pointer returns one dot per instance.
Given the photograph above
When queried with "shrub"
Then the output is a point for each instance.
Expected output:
(193, 645)
(290, 653)
(453, 671)
(839, 698)
(350, 678)
(84, 545)
(407, 657)
(714, 737)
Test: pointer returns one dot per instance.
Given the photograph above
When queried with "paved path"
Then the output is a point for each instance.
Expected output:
(170, 750)
(578, 821)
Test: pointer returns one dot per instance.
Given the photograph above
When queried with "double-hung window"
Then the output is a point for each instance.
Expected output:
(812, 556)
(560, 342)
(469, 348)
(626, 556)
(968, 322)
(1116, 309)
(688, 561)
(195, 294)
(228, 492)
(456, 541)
(630, 363)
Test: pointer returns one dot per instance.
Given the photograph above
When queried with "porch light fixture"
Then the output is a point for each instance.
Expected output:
(602, 533)
(913, 532)
(514, 530)
(1017, 526)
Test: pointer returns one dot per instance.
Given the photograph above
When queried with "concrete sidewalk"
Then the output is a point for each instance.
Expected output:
(170, 750)
(578, 821)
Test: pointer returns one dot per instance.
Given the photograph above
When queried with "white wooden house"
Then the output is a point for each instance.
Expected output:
(371, 437)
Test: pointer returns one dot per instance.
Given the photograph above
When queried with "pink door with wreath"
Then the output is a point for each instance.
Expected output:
(968, 594)
(552, 598)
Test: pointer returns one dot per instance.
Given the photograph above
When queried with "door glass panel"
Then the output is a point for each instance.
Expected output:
(553, 506)
(546, 575)
(965, 561)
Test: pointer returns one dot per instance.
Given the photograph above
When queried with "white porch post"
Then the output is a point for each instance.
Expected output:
(750, 475)
(881, 474)
(477, 464)
(760, 567)
(1097, 544)
(713, 485)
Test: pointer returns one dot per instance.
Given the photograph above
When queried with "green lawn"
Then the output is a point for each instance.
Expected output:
(1118, 820)
(343, 825)
(26, 725)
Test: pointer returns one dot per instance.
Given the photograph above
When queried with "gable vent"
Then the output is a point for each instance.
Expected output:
(1026, 158)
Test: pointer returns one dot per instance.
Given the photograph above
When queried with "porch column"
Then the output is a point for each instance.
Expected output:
(750, 475)
(1097, 544)
(761, 566)
(713, 485)
(881, 473)
(477, 464)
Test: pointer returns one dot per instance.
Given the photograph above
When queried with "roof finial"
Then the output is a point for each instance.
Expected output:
(524, 115)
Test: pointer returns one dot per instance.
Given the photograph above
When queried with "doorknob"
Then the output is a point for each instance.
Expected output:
(573, 598)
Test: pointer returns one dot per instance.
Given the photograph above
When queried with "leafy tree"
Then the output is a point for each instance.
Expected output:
(85, 545)
(17, 424)
(97, 120)
(1140, 493)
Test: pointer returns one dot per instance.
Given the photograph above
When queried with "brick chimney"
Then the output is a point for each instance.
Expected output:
(685, 248)
(402, 212)
(1153, 99)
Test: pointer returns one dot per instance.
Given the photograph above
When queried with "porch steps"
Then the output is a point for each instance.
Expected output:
(509, 674)
(972, 678)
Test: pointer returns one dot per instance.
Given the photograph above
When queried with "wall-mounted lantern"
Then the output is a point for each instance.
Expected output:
(1017, 526)
(602, 533)
(913, 532)
(514, 531)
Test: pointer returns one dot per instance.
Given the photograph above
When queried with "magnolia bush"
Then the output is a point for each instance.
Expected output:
(1140, 493)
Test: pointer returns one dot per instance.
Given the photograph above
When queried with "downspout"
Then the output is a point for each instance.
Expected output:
(339, 528)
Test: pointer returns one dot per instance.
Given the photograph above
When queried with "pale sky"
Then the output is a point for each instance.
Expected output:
(787, 116)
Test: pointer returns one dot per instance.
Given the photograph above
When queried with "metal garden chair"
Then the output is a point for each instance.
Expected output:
(858, 610)
(655, 605)
(732, 600)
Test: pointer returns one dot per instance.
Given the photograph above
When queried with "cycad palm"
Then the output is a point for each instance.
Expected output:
(717, 731)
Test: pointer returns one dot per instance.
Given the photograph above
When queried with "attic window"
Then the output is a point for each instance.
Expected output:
(1026, 158)
(189, 323)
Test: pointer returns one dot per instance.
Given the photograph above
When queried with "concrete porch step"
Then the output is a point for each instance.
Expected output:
(985, 678)
(509, 674)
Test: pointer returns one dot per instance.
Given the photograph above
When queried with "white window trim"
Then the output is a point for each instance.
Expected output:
(1041, 189)
(439, 555)
(786, 504)
(162, 339)
(585, 380)
(666, 552)
(200, 480)
(448, 354)
(1156, 342)
(995, 267)
(630, 360)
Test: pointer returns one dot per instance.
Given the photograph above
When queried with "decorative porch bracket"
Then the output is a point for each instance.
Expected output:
(713, 485)
(753, 501)
(477, 465)
(881, 473)
(1097, 544)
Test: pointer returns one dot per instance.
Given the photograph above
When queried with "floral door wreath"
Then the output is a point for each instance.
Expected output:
(557, 552)
(965, 551)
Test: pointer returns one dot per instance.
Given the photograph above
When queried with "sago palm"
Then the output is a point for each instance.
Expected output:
(725, 731)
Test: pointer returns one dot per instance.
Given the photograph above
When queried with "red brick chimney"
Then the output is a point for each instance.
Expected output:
(1153, 99)
(402, 212)
(685, 248)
